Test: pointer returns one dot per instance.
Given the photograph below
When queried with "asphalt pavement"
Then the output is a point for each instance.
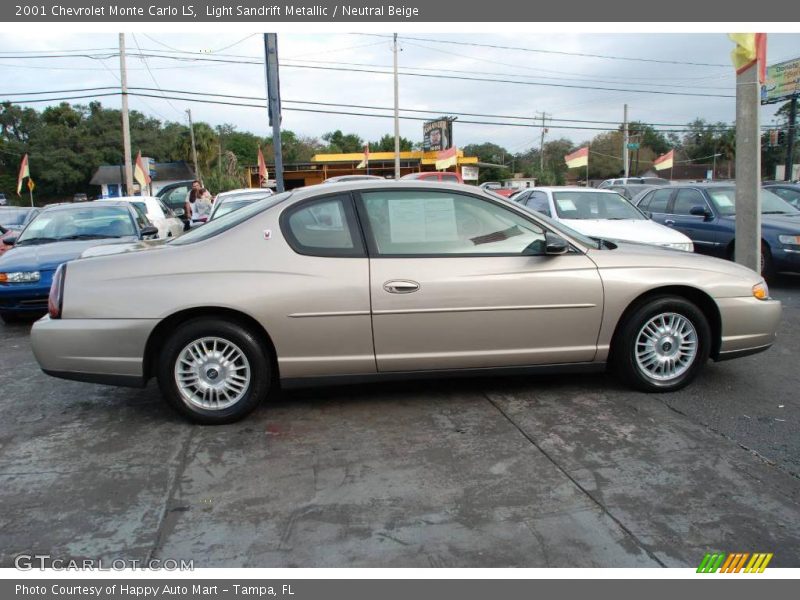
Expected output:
(548, 471)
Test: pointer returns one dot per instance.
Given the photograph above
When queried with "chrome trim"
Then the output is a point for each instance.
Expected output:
(341, 313)
(479, 309)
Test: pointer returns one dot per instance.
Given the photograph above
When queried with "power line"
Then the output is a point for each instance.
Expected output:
(561, 52)
(153, 77)
(531, 119)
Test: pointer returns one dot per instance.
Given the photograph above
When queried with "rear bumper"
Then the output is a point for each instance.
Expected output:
(107, 351)
(749, 326)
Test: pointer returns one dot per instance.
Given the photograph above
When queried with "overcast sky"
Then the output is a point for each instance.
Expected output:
(450, 96)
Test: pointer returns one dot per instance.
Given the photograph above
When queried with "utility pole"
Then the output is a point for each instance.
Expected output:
(126, 124)
(625, 139)
(194, 147)
(541, 147)
(396, 114)
(748, 169)
(274, 102)
(792, 133)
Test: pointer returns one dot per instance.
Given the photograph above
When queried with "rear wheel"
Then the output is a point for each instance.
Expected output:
(213, 371)
(662, 345)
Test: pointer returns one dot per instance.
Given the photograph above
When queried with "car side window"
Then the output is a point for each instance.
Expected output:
(685, 200)
(538, 202)
(141, 218)
(422, 223)
(323, 227)
(449, 177)
(175, 198)
(658, 200)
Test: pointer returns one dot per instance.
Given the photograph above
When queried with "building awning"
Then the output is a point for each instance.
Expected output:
(425, 158)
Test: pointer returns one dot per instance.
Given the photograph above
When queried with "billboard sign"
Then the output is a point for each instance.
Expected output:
(437, 135)
(469, 172)
(783, 81)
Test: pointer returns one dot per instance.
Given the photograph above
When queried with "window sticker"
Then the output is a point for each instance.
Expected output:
(566, 204)
(423, 220)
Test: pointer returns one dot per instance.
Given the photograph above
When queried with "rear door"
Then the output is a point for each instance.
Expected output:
(460, 281)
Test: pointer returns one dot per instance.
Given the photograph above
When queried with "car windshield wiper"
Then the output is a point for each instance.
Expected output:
(34, 241)
(87, 236)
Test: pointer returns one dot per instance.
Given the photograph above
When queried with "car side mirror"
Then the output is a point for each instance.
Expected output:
(701, 211)
(555, 244)
(178, 212)
(10, 240)
(149, 231)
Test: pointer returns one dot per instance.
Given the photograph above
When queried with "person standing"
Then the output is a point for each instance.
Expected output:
(202, 206)
(188, 205)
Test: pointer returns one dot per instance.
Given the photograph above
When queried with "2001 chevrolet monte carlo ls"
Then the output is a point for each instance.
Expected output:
(378, 280)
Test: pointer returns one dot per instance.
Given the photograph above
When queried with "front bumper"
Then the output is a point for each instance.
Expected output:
(786, 260)
(107, 351)
(26, 297)
(749, 326)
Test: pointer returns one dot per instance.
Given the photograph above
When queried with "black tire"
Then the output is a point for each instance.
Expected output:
(624, 347)
(766, 262)
(256, 359)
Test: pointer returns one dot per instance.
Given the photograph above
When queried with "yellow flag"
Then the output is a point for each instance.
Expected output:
(750, 48)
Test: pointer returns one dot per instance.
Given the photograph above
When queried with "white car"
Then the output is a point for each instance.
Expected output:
(634, 181)
(601, 214)
(159, 214)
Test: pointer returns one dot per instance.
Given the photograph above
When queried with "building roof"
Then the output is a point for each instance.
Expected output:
(171, 171)
(425, 158)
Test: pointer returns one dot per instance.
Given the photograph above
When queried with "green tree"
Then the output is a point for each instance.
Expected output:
(386, 144)
(341, 143)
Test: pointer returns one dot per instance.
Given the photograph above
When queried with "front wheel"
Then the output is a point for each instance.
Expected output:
(662, 345)
(213, 371)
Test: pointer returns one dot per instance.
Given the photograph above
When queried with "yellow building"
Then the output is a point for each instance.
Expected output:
(323, 166)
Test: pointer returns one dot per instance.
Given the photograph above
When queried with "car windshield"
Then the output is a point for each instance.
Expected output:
(228, 206)
(62, 224)
(725, 201)
(225, 222)
(13, 218)
(595, 205)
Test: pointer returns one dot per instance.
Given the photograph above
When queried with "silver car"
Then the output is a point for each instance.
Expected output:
(371, 280)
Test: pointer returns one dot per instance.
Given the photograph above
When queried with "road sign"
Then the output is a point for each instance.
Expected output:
(633, 146)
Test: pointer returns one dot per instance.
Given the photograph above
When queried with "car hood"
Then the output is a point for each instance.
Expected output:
(629, 230)
(133, 246)
(45, 257)
(633, 255)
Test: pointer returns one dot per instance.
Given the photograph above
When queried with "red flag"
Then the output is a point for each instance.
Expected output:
(263, 174)
(664, 161)
(140, 172)
(24, 171)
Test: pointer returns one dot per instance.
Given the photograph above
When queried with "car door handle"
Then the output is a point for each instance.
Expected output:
(400, 286)
(669, 222)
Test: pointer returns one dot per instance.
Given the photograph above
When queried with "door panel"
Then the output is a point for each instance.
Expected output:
(485, 311)
(702, 232)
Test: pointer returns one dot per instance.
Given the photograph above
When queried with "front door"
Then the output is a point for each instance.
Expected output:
(459, 281)
(698, 228)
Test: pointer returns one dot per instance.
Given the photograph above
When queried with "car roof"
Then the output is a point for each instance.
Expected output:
(128, 199)
(571, 188)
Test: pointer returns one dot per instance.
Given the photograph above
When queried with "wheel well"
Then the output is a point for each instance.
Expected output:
(732, 245)
(698, 297)
(162, 331)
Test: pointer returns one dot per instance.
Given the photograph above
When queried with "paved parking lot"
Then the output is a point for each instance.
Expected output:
(552, 471)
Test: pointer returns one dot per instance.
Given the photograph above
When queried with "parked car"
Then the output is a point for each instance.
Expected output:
(445, 176)
(630, 190)
(174, 196)
(387, 280)
(227, 202)
(80, 197)
(788, 191)
(13, 219)
(498, 188)
(601, 214)
(343, 178)
(706, 212)
(166, 220)
(60, 233)
(633, 180)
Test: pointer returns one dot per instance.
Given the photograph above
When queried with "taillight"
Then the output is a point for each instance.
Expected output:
(56, 300)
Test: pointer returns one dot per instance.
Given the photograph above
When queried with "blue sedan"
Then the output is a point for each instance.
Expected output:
(61, 233)
(706, 212)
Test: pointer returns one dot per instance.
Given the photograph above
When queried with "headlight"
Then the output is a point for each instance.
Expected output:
(789, 240)
(19, 277)
(761, 291)
(685, 246)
